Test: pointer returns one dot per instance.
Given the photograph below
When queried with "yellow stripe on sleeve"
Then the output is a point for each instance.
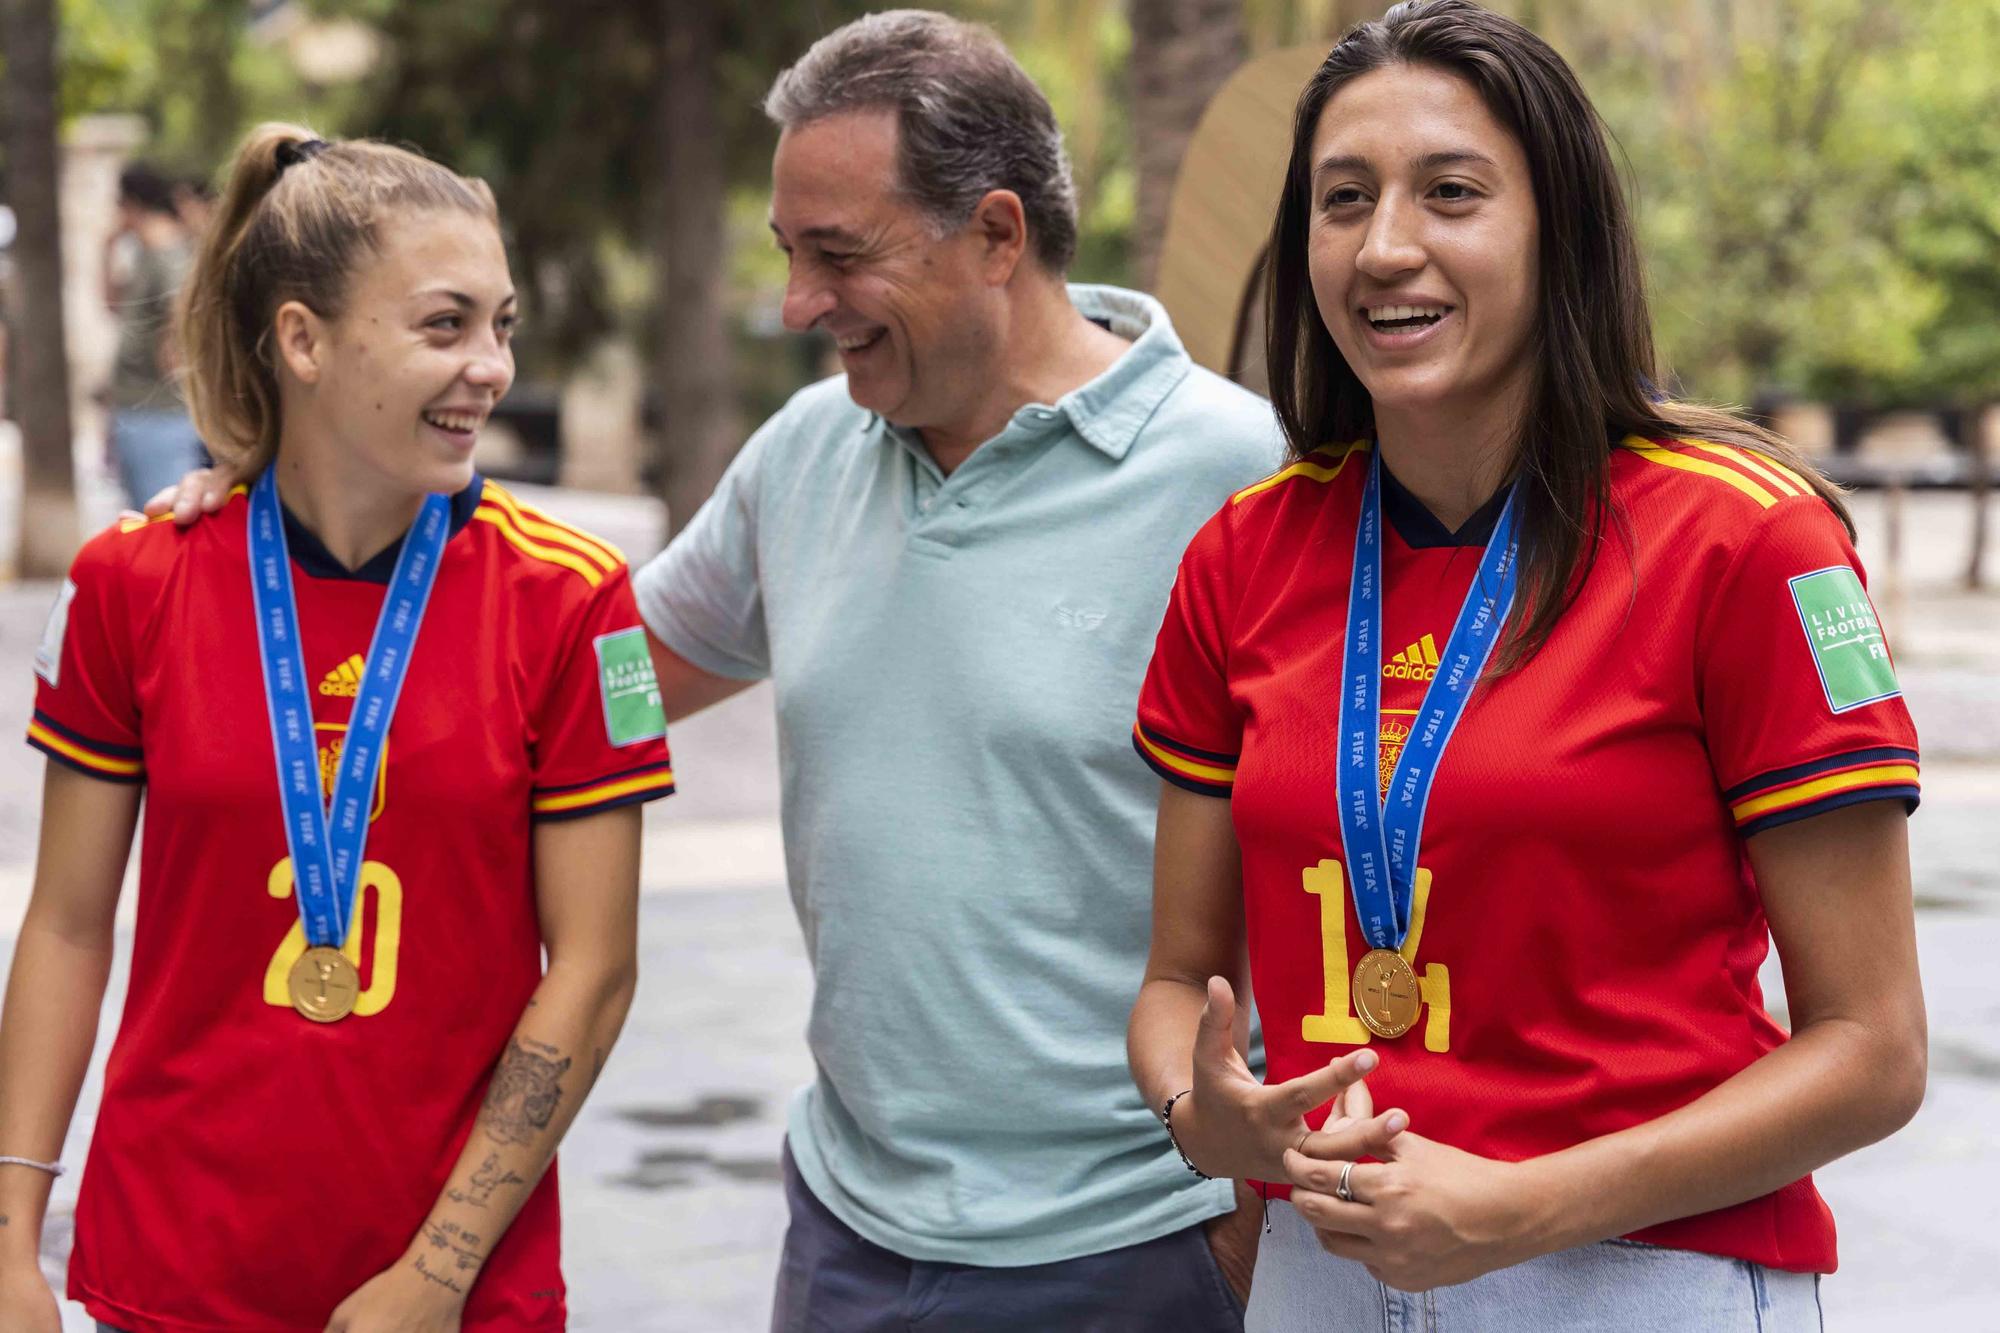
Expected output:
(1671, 458)
(1329, 466)
(555, 555)
(610, 791)
(1880, 775)
(1791, 474)
(1780, 477)
(534, 523)
(90, 759)
(1186, 767)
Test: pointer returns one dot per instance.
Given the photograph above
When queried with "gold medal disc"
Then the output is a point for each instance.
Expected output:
(324, 986)
(1385, 993)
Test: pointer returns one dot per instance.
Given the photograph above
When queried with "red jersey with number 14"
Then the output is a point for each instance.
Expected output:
(250, 1169)
(1586, 928)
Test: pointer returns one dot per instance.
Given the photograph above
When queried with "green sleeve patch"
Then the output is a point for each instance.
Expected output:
(630, 691)
(1845, 638)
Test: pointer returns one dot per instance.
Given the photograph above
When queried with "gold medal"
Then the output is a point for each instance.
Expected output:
(1385, 993)
(324, 986)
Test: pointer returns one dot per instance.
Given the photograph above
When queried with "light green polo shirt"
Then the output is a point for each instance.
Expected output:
(968, 833)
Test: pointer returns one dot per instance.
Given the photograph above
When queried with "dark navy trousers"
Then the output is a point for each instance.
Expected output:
(831, 1280)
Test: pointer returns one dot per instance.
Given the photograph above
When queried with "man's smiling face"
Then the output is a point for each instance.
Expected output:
(906, 307)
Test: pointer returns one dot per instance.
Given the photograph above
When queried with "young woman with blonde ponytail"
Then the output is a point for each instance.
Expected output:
(392, 727)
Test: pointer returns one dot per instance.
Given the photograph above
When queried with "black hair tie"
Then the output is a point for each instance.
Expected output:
(294, 151)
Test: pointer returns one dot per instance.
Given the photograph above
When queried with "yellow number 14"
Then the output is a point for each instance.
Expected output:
(388, 891)
(1337, 1023)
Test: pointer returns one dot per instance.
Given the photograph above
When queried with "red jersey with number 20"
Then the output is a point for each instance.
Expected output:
(1586, 929)
(250, 1169)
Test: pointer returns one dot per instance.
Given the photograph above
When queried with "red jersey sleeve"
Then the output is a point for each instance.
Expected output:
(1189, 729)
(601, 738)
(86, 710)
(1798, 692)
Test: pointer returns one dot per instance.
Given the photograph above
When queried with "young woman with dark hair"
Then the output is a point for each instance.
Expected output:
(1539, 704)
(390, 726)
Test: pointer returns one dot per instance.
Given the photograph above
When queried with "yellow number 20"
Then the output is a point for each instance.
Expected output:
(388, 890)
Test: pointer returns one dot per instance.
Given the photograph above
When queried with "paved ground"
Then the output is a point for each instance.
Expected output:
(672, 1211)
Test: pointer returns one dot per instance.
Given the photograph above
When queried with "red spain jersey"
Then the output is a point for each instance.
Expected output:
(250, 1169)
(1586, 930)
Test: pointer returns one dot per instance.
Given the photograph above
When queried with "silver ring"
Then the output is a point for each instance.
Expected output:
(1341, 1191)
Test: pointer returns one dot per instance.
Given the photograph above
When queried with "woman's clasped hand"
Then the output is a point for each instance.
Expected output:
(1424, 1215)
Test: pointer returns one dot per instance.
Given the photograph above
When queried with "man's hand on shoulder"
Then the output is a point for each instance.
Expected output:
(201, 491)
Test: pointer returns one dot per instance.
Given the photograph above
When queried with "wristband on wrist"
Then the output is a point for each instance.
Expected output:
(1167, 1119)
(53, 1168)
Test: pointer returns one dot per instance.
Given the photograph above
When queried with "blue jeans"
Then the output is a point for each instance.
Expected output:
(1620, 1285)
(154, 450)
(831, 1280)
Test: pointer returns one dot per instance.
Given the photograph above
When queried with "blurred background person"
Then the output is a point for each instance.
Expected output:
(152, 439)
(194, 204)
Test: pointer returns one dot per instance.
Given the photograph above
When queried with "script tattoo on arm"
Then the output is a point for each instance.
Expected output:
(450, 1240)
(439, 1276)
(524, 1094)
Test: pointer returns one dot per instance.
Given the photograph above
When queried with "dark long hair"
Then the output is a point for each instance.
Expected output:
(1592, 343)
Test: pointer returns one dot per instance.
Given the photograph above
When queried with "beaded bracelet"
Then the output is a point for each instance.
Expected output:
(1167, 1119)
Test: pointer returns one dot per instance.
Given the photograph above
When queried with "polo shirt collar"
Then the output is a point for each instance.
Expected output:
(1111, 410)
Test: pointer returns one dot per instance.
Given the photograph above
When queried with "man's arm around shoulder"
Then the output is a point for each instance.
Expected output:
(684, 687)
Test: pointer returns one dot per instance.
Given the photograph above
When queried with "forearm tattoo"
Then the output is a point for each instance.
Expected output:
(524, 1094)
(489, 1177)
(453, 1249)
(441, 1276)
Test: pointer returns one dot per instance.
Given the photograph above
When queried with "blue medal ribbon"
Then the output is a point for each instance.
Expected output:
(326, 845)
(1381, 837)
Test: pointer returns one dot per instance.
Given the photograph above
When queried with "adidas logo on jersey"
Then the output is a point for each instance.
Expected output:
(344, 681)
(1419, 661)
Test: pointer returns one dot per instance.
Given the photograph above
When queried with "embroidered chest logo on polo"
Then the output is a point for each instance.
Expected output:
(1071, 617)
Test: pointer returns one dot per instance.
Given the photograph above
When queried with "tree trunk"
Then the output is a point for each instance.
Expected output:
(41, 379)
(207, 42)
(695, 373)
(1182, 51)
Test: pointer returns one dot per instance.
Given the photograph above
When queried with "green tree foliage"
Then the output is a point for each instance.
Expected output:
(553, 104)
(1817, 191)
(1818, 180)
(183, 65)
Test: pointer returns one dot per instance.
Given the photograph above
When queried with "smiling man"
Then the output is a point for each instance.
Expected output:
(952, 561)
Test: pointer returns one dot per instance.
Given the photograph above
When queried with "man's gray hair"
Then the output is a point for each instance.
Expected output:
(970, 120)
